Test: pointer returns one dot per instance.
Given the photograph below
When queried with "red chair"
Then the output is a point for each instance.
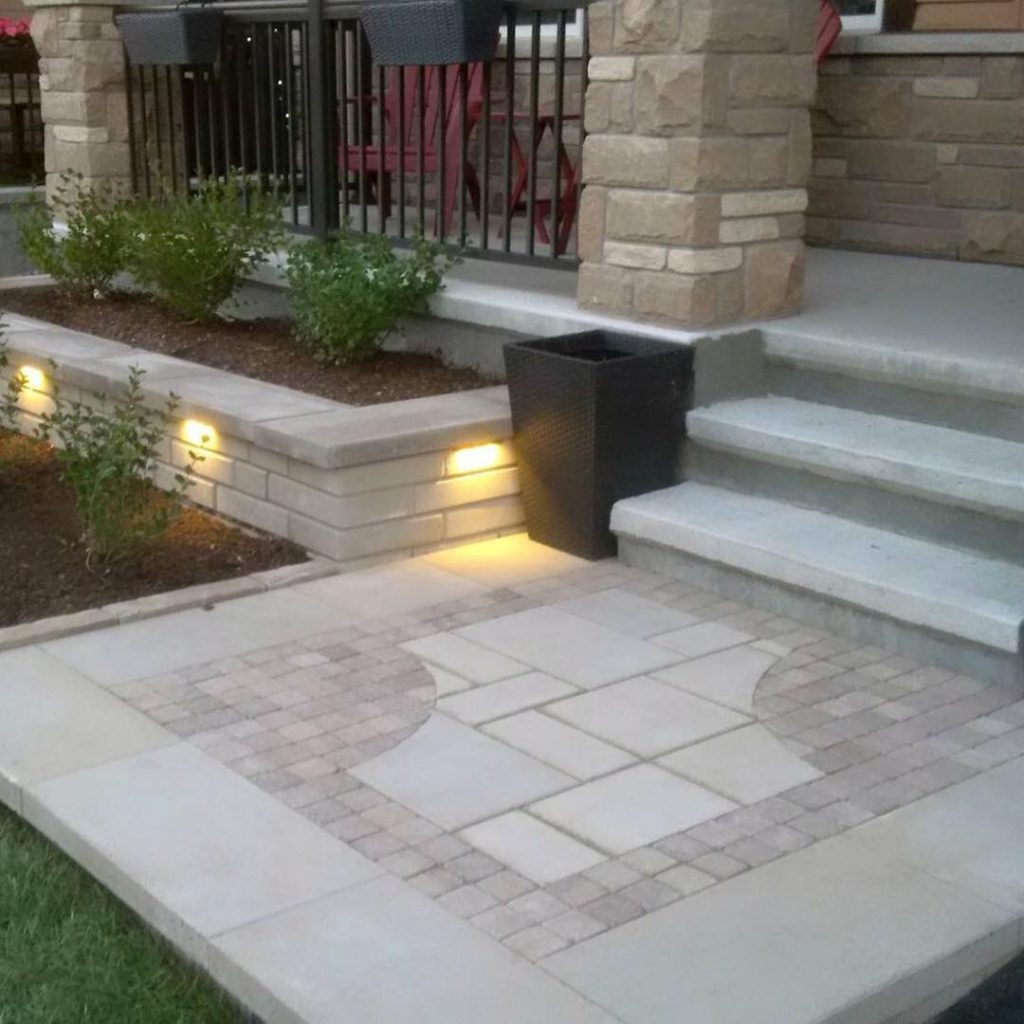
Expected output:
(397, 153)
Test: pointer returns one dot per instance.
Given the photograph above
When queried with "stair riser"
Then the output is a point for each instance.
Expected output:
(859, 624)
(958, 412)
(861, 499)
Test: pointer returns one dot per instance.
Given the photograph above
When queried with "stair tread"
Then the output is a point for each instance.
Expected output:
(946, 590)
(972, 470)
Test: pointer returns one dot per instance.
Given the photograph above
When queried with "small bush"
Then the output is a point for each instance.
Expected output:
(92, 251)
(348, 294)
(106, 458)
(13, 385)
(193, 252)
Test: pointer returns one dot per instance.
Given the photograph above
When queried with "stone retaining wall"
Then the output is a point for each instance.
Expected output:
(346, 483)
(920, 153)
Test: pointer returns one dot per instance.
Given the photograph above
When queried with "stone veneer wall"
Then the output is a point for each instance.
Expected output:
(920, 153)
(378, 507)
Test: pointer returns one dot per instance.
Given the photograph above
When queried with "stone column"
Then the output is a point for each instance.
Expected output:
(697, 157)
(82, 92)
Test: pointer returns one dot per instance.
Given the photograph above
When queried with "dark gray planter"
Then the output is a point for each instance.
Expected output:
(425, 32)
(597, 417)
(187, 36)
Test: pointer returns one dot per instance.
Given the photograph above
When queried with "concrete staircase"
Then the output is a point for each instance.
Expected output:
(875, 492)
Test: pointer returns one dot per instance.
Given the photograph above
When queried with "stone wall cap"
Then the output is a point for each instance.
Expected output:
(910, 43)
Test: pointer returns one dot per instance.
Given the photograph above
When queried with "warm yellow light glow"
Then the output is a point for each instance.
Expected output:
(199, 434)
(33, 378)
(475, 459)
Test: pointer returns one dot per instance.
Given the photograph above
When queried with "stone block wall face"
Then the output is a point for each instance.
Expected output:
(920, 154)
(82, 93)
(696, 158)
(390, 508)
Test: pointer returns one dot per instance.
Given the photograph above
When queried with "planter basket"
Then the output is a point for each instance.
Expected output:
(426, 32)
(182, 36)
(597, 417)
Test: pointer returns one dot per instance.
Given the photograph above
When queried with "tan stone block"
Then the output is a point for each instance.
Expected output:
(688, 300)
(80, 30)
(760, 203)
(961, 65)
(891, 161)
(801, 147)
(611, 69)
(646, 26)
(678, 91)
(773, 279)
(736, 26)
(758, 122)
(822, 230)
(80, 133)
(601, 26)
(748, 229)
(900, 238)
(839, 198)
(987, 188)
(772, 80)
(609, 289)
(724, 162)
(705, 261)
(666, 217)
(90, 12)
(995, 121)
(591, 223)
(803, 25)
(946, 153)
(863, 107)
(625, 160)
(835, 66)
(82, 108)
(792, 225)
(641, 257)
(909, 66)
(948, 88)
(69, 74)
(994, 237)
(609, 108)
(117, 116)
(830, 168)
(1002, 78)
(988, 156)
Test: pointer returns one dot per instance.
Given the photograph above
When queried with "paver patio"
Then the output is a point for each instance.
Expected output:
(547, 748)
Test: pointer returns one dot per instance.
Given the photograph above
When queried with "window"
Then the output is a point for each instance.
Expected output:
(861, 15)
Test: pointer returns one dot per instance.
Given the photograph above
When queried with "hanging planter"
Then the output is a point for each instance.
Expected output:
(426, 32)
(185, 35)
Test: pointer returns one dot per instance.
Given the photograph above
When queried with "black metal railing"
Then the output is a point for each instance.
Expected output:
(21, 127)
(483, 155)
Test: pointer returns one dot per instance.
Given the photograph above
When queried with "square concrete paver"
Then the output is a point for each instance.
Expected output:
(568, 647)
(389, 590)
(455, 776)
(646, 717)
(559, 745)
(632, 808)
(154, 646)
(83, 725)
(446, 683)
(746, 765)
(383, 953)
(703, 638)
(727, 677)
(505, 562)
(538, 851)
(464, 658)
(207, 847)
(485, 703)
(627, 613)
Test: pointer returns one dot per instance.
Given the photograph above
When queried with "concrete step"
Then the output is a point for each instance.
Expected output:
(948, 466)
(958, 393)
(931, 602)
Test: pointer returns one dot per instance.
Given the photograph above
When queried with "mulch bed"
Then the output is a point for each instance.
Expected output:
(265, 349)
(44, 562)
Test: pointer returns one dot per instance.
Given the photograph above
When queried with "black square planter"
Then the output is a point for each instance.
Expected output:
(597, 417)
(183, 36)
(428, 32)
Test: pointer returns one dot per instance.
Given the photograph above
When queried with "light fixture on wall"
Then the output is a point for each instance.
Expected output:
(474, 459)
(198, 434)
(32, 378)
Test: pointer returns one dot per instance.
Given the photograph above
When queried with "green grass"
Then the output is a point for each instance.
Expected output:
(72, 954)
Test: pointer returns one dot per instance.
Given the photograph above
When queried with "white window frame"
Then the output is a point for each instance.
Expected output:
(863, 24)
(548, 38)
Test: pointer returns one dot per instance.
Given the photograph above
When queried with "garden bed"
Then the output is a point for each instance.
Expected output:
(263, 349)
(45, 566)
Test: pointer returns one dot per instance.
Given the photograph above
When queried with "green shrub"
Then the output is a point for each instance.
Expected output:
(11, 390)
(92, 251)
(348, 294)
(106, 458)
(193, 252)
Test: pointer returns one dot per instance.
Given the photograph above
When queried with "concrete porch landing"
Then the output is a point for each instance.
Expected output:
(498, 784)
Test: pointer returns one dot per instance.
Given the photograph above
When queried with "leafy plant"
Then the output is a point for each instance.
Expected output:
(194, 251)
(12, 389)
(348, 294)
(91, 250)
(106, 458)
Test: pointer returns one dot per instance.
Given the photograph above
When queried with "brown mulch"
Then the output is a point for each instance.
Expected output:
(44, 563)
(265, 349)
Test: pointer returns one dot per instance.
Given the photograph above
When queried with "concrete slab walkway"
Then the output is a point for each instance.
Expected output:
(497, 783)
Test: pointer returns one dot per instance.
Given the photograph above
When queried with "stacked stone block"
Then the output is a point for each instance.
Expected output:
(696, 158)
(82, 90)
(921, 153)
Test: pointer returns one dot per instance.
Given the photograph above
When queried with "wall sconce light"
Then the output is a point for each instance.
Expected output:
(198, 434)
(33, 378)
(474, 459)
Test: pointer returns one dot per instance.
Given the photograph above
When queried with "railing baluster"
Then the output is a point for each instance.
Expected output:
(463, 93)
(440, 138)
(145, 131)
(290, 116)
(556, 174)
(421, 104)
(383, 177)
(399, 78)
(510, 110)
(485, 160)
(361, 46)
(531, 194)
(341, 45)
(129, 97)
